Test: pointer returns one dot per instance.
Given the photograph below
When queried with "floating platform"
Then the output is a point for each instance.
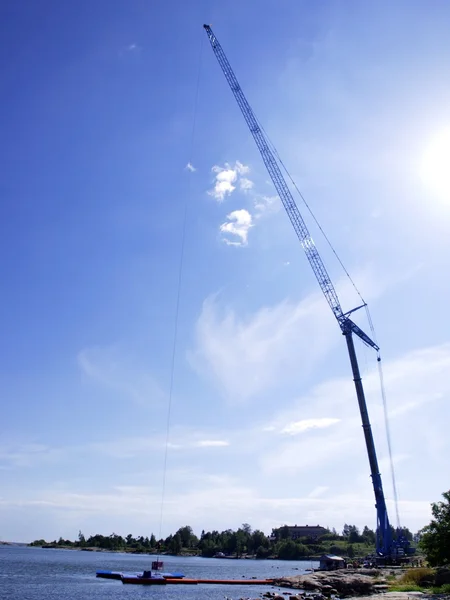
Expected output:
(139, 580)
(118, 575)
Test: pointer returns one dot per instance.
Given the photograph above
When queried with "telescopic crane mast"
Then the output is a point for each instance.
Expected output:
(384, 543)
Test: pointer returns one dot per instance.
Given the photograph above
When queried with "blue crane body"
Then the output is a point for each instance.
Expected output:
(386, 546)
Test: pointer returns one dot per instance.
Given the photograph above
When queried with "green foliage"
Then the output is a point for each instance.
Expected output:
(262, 552)
(175, 545)
(243, 541)
(405, 587)
(290, 550)
(443, 589)
(435, 537)
(422, 577)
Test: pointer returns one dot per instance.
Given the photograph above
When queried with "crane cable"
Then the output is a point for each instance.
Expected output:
(369, 318)
(190, 170)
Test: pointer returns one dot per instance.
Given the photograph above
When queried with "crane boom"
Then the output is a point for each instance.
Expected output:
(285, 195)
(384, 543)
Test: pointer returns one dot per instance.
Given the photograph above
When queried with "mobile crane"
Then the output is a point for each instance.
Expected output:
(388, 549)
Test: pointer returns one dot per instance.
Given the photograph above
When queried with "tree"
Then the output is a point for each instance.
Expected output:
(435, 537)
(351, 532)
(186, 535)
(175, 544)
(246, 528)
(368, 536)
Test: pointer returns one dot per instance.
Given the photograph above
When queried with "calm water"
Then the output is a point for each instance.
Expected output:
(37, 574)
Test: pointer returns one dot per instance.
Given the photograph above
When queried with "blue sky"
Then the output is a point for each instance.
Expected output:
(97, 120)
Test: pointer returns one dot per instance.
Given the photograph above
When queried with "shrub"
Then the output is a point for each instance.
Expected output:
(421, 577)
(444, 589)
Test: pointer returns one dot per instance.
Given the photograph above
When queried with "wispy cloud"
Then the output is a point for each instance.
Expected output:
(237, 225)
(212, 443)
(130, 50)
(244, 356)
(301, 426)
(265, 205)
(318, 491)
(226, 178)
(190, 167)
(245, 184)
(323, 474)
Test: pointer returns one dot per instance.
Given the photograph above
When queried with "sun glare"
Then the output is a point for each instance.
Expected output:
(435, 169)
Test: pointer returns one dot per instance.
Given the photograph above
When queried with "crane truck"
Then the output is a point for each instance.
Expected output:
(389, 548)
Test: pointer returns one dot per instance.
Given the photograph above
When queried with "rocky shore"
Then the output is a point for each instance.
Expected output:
(337, 583)
(324, 585)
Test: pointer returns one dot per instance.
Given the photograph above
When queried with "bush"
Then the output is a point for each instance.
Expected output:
(422, 577)
(444, 589)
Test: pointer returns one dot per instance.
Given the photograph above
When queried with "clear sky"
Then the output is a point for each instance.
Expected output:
(97, 122)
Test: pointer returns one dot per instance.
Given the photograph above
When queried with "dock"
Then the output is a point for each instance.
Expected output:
(168, 581)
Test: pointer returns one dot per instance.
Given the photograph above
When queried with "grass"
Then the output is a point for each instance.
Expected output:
(444, 589)
(406, 587)
(417, 580)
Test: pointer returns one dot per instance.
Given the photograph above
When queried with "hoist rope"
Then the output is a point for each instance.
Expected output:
(369, 318)
(178, 293)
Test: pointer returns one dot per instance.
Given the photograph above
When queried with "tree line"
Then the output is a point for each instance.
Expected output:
(243, 542)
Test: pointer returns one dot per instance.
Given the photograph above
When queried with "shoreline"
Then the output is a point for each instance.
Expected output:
(156, 553)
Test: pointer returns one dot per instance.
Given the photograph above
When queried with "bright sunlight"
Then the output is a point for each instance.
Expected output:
(435, 170)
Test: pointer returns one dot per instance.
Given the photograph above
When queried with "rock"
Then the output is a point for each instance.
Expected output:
(379, 588)
(340, 582)
(442, 576)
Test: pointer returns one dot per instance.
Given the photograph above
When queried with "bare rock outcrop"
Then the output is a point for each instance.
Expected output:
(330, 582)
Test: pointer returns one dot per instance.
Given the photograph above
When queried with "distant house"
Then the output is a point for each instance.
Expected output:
(331, 562)
(312, 532)
(294, 532)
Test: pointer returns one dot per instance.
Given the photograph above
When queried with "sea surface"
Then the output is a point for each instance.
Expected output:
(51, 574)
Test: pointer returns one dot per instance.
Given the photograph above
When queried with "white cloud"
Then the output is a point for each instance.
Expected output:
(265, 205)
(306, 424)
(210, 503)
(225, 179)
(245, 184)
(132, 49)
(212, 443)
(242, 169)
(190, 167)
(245, 356)
(238, 224)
